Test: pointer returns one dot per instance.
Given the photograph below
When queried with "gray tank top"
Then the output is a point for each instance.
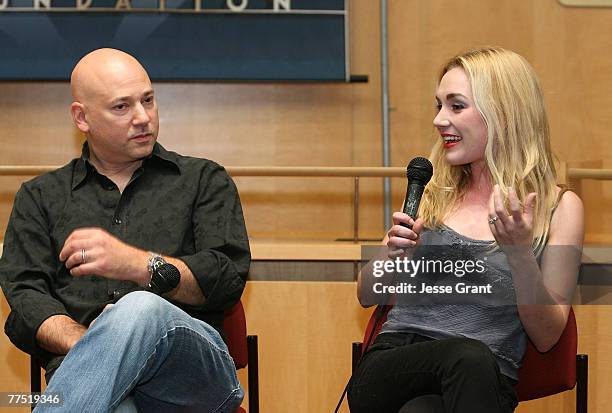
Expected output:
(497, 326)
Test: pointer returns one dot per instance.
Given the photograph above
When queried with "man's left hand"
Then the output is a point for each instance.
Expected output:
(93, 251)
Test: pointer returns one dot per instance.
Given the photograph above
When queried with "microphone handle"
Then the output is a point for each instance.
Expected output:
(414, 192)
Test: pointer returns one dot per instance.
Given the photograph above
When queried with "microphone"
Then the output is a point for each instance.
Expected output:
(418, 172)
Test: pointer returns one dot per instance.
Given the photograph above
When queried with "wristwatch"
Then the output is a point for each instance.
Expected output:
(165, 277)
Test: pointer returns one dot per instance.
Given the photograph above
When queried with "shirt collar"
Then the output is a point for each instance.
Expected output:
(172, 158)
(83, 164)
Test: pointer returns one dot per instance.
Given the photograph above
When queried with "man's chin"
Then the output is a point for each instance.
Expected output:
(142, 150)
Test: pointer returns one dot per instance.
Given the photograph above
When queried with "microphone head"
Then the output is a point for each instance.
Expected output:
(419, 170)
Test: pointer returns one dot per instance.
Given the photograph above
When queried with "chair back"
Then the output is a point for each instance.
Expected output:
(543, 374)
(234, 328)
(380, 311)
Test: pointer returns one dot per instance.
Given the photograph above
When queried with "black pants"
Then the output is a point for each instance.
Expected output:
(399, 367)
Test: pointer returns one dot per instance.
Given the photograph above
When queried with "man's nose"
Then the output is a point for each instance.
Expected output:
(140, 115)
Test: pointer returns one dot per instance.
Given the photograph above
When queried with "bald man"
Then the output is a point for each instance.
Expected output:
(118, 266)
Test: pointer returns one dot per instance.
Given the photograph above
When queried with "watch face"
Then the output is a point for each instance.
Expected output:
(157, 261)
(166, 277)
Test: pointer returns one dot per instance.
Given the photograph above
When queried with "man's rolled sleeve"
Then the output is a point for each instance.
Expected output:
(27, 314)
(222, 260)
(26, 273)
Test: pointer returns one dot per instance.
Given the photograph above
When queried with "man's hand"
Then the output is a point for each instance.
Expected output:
(93, 251)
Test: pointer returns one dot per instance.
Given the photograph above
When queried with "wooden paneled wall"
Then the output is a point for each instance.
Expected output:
(339, 125)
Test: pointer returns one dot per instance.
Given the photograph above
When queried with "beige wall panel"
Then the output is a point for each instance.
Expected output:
(35, 124)
(305, 333)
(269, 125)
(559, 403)
(366, 116)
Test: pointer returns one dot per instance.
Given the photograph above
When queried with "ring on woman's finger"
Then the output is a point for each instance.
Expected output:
(82, 255)
(493, 219)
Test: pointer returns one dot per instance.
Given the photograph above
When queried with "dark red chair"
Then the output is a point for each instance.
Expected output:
(242, 348)
(541, 374)
(244, 351)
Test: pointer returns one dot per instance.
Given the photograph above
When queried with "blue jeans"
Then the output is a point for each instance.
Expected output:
(150, 353)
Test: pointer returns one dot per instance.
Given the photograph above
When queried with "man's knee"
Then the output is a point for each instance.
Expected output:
(148, 313)
(142, 301)
(141, 308)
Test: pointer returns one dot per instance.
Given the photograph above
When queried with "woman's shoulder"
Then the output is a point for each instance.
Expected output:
(568, 201)
(567, 224)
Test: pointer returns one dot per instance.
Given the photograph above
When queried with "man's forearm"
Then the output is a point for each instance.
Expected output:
(188, 291)
(59, 333)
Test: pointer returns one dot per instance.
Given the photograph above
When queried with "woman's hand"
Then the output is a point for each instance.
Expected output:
(514, 229)
(400, 237)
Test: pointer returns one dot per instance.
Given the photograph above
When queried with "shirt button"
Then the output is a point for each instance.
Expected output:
(117, 221)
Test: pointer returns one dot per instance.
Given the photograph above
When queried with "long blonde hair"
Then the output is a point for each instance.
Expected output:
(509, 98)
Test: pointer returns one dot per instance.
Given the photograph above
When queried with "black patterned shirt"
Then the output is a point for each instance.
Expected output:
(179, 206)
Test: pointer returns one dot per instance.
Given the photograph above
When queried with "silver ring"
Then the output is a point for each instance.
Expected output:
(492, 220)
(82, 255)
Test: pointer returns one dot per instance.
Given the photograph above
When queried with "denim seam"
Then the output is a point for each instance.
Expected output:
(227, 399)
(138, 374)
(219, 349)
(225, 353)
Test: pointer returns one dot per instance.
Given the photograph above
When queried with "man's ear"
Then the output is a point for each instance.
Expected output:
(78, 115)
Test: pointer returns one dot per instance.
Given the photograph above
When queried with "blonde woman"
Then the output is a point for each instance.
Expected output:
(494, 186)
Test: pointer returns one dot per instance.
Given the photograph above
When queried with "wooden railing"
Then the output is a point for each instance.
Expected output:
(313, 171)
(565, 175)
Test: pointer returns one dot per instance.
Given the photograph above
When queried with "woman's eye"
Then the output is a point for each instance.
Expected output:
(120, 106)
(457, 106)
(438, 107)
